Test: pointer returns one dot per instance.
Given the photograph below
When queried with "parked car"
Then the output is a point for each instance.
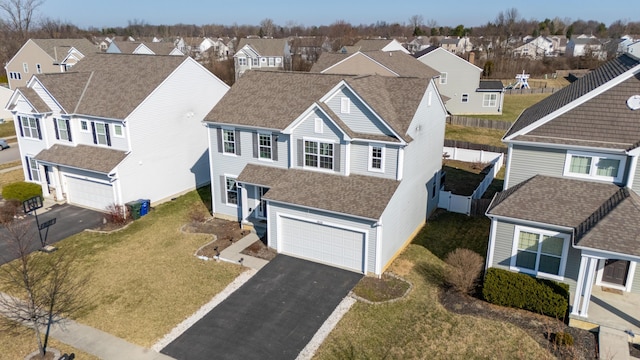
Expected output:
(3, 144)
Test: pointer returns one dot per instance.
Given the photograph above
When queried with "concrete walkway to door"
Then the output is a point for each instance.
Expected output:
(272, 316)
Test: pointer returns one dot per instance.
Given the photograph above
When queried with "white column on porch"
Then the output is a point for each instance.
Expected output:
(243, 204)
(57, 182)
(584, 285)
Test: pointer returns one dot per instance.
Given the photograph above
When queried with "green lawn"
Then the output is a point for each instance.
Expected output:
(514, 105)
(145, 279)
(418, 327)
(474, 135)
(7, 129)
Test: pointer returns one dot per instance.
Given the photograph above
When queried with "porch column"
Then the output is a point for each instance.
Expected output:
(584, 285)
(579, 286)
(244, 211)
(57, 182)
(591, 272)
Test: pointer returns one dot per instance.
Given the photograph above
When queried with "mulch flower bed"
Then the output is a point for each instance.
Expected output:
(539, 327)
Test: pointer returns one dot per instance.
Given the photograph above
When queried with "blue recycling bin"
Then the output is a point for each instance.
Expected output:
(145, 205)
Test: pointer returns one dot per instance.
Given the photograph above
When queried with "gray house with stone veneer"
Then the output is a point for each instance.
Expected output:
(570, 209)
(337, 169)
(116, 128)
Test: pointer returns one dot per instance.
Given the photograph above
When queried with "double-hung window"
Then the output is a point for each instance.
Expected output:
(242, 61)
(490, 100)
(464, 98)
(376, 158)
(63, 130)
(32, 169)
(272, 61)
(595, 166)
(101, 133)
(255, 61)
(539, 252)
(443, 78)
(318, 154)
(232, 190)
(229, 141)
(264, 146)
(30, 127)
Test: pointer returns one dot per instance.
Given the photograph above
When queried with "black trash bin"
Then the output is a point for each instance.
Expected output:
(134, 209)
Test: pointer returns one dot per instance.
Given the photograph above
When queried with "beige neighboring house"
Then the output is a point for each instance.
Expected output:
(261, 54)
(5, 95)
(392, 63)
(40, 56)
(143, 48)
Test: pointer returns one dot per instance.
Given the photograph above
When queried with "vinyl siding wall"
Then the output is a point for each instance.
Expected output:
(504, 244)
(230, 164)
(365, 225)
(359, 119)
(360, 160)
(528, 161)
(169, 147)
(31, 54)
(412, 202)
(636, 180)
(306, 130)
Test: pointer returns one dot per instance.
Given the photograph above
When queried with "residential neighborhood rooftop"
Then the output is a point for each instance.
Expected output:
(265, 47)
(397, 61)
(102, 160)
(358, 195)
(58, 48)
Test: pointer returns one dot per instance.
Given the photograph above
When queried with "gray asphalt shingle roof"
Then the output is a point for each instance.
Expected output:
(608, 218)
(358, 195)
(59, 48)
(94, 158)
(109, 85)
(265, 47)
(273, 100)
(579, 88)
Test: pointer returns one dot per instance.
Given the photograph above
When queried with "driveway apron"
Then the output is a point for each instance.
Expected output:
(272, 316)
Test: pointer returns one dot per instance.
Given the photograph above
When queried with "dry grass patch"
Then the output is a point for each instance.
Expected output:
(145, 279)
(7, 129)
(418, 327)
(17, 346)
(11, 177)
(10, 164)
(475, 135)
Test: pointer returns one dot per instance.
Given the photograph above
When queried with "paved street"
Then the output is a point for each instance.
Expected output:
(10, 154)
(70, 220)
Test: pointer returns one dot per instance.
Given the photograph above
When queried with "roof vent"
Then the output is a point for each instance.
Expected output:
(634, 102)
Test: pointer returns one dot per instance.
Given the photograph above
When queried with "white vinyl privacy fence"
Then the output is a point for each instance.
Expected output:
(460, 203)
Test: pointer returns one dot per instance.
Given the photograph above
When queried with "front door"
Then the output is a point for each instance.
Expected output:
(615, 272)
(262, 205)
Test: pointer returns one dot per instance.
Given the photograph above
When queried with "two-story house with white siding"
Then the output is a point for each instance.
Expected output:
(261, 54)
(342, 170)
(570, 208)
(460, 82)
(117, 128)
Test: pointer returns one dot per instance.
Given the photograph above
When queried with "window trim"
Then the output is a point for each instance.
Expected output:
(540, 232)
(242, 61)
(443, 78)
(260, 146)
(227, 190)
(107, 135)
(318, 142)
(371, 158)
(86, 122)
(59, 131)
(31, 169)
(486, 102)
(272, 61)
(24, 126)
(318, 125)
(225, 141)
(595, 157)
(345, 105)
(255, 62)
(25, 67)
(38, 68)
(115, 131)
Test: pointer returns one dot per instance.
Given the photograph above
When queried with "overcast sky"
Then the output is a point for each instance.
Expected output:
(114, 13)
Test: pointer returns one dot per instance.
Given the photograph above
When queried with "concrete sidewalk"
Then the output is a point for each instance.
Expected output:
(614, 344)
(232, 253)
(97, 342)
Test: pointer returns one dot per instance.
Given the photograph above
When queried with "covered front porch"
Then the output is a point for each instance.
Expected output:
(605, 294)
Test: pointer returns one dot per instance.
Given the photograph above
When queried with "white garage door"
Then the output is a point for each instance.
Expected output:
(322, 243)
(89, 193)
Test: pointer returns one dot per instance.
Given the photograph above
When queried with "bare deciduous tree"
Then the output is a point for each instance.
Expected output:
(39, 289)
(20, 14)
(267, 27)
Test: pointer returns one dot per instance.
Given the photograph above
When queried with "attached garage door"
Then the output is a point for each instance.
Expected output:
(322, 243)
(89, 193)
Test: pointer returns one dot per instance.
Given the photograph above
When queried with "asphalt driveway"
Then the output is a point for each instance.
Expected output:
(70, 220)
(272, 316)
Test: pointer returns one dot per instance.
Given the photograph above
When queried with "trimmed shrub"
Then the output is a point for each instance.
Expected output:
(562, 338)
(463, 270)
(21, 191)
(506, 288)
